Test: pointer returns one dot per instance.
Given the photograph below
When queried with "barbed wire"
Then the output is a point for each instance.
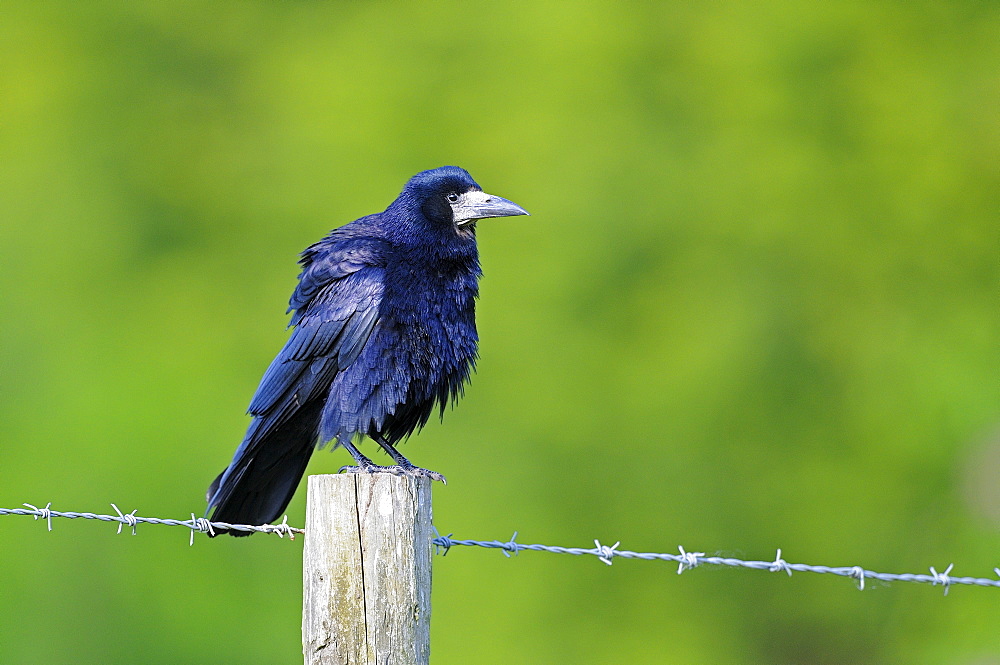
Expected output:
(687, 560)
(605, 553)
(195, 524)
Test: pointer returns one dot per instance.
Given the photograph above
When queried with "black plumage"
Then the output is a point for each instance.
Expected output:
(384, 333)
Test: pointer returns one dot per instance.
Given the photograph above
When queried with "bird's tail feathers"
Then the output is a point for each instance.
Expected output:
(259, 483)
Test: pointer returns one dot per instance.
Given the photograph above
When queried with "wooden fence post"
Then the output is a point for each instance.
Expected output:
(366, 570)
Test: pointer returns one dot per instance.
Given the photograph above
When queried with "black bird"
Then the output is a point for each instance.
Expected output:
(384, 333)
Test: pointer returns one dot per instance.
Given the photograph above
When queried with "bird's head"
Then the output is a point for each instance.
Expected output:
(449, 196)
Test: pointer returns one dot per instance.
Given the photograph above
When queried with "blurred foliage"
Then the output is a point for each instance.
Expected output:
(755, 306)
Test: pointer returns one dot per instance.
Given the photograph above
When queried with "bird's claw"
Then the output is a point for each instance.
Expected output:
(362, 468)
(396, 470)
(423, 473)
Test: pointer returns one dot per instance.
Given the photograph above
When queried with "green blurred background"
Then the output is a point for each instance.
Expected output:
(755, 307)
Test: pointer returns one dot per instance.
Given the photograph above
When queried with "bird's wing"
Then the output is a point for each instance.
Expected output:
(337, 308)
(323, 266)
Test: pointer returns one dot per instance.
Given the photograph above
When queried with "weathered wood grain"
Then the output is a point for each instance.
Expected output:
(367, 570)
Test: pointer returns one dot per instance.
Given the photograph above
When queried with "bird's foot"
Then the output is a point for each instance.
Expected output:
(419, 472)
(396, 470)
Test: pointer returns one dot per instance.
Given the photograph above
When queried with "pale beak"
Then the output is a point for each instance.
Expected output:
(474, 205)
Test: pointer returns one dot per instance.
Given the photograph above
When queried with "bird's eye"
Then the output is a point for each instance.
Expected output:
(453, 198)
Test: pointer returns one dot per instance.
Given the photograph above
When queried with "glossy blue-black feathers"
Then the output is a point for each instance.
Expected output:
(383, 334)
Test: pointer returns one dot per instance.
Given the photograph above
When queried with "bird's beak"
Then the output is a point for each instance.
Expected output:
(475, 205)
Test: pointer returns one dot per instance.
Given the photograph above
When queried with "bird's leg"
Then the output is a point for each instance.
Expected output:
(404, 466)
(364, 465)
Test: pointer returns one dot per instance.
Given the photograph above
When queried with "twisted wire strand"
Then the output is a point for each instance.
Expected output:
(688, 560)
(605, 553)
(130, 520)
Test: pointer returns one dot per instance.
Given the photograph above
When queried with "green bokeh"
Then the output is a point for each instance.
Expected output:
(755, 307)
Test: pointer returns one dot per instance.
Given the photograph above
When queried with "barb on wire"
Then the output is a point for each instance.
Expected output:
(129, 519)
(858, 573)
(195, 524)
(444, 543)
(687, 560)
(780, 564)
(605, 553)
(942, 578)
(46, 514)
